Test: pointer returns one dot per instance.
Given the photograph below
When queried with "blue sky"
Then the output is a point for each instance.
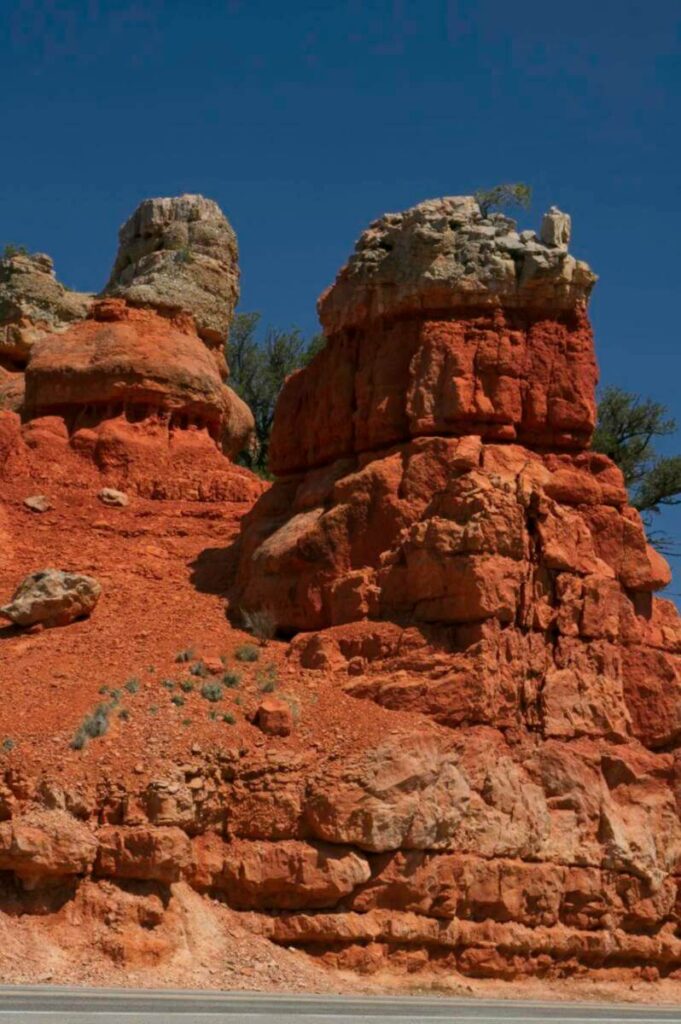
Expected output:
(305, 120)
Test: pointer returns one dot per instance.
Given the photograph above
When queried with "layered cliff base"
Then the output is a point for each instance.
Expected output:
(199, 852)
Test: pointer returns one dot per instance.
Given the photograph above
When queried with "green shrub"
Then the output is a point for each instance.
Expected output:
(103, 690)
(212, 692)
(229, 718)
(186, 721)
(92, 726)
(247, 652)
(132, 685)
(187, 685)
(177, 700)
(187, 655)
(267, 678)
(199, 669)
(7, 745)
(168, 684)
(261, 623)
(124, 714)
(232, 680)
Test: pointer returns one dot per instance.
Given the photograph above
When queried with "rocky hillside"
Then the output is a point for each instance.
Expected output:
(449, 753)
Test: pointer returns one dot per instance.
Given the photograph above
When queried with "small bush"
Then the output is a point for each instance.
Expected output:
(168, 684)
(177, 700)
(103, 690)
(124, 714)
(267, 678)
(211, 692)
(260, 623)
(232, 680)
(199, 669)
(186, 721)
(92, 726)
(247, 652)
(187, 685)
(187, 655)
(213, 715)
(228, 718)
(132, 685)
(13, 250)
(8, 745)
(115, 696)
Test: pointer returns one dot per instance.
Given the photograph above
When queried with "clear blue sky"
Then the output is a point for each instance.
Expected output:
(305, 119)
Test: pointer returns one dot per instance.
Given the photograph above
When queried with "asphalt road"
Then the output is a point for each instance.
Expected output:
(48, 1005)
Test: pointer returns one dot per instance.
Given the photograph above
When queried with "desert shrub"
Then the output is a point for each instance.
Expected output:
(266, 678)
(10, 249)
(247, 652)
(177, 700)
(229, 718)
(502, 196)
(232, 680)
(186, 721)
(168, 684)
(187, 655)
(199, 669)
(132, 685)
(92, 726)
(261, 623)
(212, 692)
(7, 745)
(124, 714)
(187, 685)
(103, 691)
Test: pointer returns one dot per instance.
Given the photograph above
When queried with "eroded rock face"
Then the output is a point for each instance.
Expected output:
(33, 303)
(442, 541)
(180, 254)
(134, 363)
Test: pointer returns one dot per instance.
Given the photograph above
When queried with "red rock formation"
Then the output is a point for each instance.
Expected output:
(443, 541)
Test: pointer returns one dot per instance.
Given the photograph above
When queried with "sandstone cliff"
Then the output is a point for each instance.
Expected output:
(479, 774)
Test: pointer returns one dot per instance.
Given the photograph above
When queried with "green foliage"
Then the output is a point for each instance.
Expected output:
(10, 250)
(212, 692)
(229, 718)
(92, 726)
(177, 700)
(132, 685)
(267, 678)
(168, 684)
(627, 428)
(247, 652)
(124, 714)
(7, 745)
(187, 655)
(258, 369)
(199, 669)
(232, 680)
(187, 685)
(502, 196)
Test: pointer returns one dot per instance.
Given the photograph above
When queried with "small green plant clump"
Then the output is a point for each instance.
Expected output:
(10, 249)
(124, 714)
(168, 684)
(212, 692)
(229, 718)
(266, 678)
(247, 652)
(7, 745)
(92, 726)
(177, 700)
(199, 669)
(232, 680)
(187, 655)
(187, 685)
(132, 685)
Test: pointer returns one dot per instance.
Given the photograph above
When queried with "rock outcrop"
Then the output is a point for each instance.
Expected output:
(33, 303)
(444, 542)
(143, 366)
(180, 255)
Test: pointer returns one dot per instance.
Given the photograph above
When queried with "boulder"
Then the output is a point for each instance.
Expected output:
(115, 499)
(38, 503)
(53, 598)
(274, 717)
